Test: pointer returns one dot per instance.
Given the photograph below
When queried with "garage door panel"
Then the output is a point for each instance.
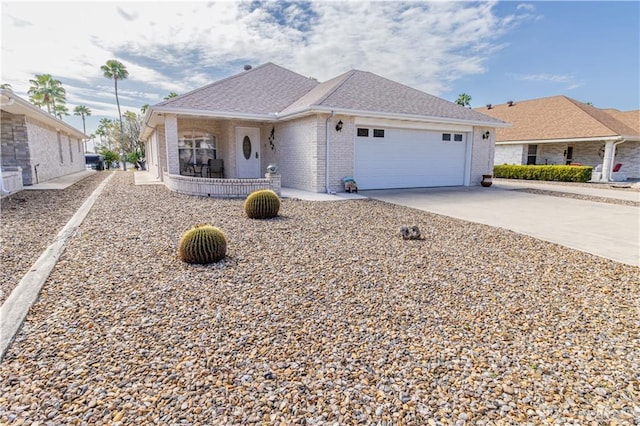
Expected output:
(408, 158)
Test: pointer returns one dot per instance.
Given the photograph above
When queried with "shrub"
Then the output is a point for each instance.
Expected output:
(262, 204)
(202, 244)
(552, 173)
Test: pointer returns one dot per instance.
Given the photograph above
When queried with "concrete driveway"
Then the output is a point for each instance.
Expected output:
(608, 230)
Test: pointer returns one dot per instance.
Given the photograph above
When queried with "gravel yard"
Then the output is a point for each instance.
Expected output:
(30, 221)
(323, 315)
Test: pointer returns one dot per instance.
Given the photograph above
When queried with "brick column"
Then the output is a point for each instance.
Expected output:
(275, 182)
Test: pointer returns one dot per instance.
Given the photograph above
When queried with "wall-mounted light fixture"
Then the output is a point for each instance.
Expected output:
(339, 126)
(486, 135)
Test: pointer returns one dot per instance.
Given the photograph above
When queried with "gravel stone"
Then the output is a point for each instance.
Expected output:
(323, 315)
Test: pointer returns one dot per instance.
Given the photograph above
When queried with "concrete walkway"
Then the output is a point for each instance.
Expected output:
(603, 190)
(61, 182)
(607, 230)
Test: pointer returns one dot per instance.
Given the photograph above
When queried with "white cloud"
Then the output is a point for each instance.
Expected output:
(568, 80)
(175, 46)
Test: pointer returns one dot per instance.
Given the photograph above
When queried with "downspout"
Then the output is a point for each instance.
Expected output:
(326, 161)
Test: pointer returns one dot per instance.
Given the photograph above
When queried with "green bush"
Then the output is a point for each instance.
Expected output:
(202, 244)
(551, 173)
(262, 204)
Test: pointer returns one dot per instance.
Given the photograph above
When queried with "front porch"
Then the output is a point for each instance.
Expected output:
(212, 187)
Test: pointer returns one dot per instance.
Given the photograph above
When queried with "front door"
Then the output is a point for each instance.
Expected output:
(569, 155)
(248, 152)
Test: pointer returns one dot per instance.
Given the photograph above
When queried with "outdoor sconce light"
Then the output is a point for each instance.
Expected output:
(339, 126)
(486, 135)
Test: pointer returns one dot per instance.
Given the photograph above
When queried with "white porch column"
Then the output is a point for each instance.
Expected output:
(607, 162)
(171, 137)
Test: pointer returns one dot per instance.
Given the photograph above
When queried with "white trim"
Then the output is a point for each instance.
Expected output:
(566, 140)
(396, 116)
(404, 124)
(214, 114)
(14, 104)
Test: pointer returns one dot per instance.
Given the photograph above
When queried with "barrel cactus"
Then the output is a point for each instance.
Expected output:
(202, 244)
(262, 204)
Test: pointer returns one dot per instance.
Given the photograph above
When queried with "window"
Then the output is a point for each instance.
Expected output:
(195, 149)
(446, 136)
(60, 149)
(363, 132)
(457, 137)
(532, 151)
(70, 149)
(378, 133)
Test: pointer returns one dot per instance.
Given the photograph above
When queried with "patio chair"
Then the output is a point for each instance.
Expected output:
(216, 167)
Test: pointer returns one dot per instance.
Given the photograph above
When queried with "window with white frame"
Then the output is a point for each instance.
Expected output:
(195, 148)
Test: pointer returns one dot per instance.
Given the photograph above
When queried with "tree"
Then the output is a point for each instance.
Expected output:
(115, 70)
(60, 110)
(6, 86)
(46, 91)
(132, 128)
(170, 95)
(110, 157)
(464, 100)
(83, 111)
(144, 108)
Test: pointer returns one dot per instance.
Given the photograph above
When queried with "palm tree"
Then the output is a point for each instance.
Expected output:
(6, 86)
(83, 111)
(170, 95)
(144, 108)
(46, 91)
(115, 70)
(464, 100)
(103, 130)
(60, 110)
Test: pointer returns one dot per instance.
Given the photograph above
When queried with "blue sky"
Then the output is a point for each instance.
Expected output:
(494, 51)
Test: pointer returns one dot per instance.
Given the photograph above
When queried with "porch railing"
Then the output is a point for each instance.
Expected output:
(222, 188)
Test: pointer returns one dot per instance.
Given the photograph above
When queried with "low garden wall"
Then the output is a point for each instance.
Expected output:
(11, 181)
(222, 188)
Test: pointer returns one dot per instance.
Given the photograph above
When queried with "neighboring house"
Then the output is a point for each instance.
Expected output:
(36, 143)
(381, 133)
(561, 130)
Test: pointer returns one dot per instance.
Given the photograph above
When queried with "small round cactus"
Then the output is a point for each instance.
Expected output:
(202, 244)
(262, 204)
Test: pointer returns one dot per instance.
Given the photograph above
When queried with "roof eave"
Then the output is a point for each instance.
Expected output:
(15, 104)
(566, 140)
(387, 115)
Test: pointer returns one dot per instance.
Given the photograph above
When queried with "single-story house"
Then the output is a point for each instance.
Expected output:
(36, 146)
(379, 132)
(561, 130)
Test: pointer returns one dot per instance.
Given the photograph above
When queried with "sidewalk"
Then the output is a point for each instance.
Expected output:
(61, 182)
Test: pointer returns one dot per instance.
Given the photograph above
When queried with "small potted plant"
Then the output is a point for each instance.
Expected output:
(487, 180)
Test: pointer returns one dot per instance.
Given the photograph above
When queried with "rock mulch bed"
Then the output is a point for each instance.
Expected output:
(30, 221)
(324, 315)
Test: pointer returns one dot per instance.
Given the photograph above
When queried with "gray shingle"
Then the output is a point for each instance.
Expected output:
(265, 89)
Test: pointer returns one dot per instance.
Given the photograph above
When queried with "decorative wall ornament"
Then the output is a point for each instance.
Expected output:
(272, 138)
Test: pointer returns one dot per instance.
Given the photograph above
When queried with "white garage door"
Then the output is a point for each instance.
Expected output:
(403, 158)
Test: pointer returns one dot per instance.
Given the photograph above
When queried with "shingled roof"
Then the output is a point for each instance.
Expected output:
(269, 89)
(556, 117)
(265, 89)
(362, 91)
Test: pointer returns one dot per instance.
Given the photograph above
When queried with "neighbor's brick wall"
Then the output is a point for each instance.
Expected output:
(508, 154)
(628, 154)
(482, 154)
(52, 150)
(15, 145)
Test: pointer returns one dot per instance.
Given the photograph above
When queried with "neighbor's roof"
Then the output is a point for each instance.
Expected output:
(272, 92)
(14, 104)
(263, 90)
(556, 117)
(365, 92)
(630, 118)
